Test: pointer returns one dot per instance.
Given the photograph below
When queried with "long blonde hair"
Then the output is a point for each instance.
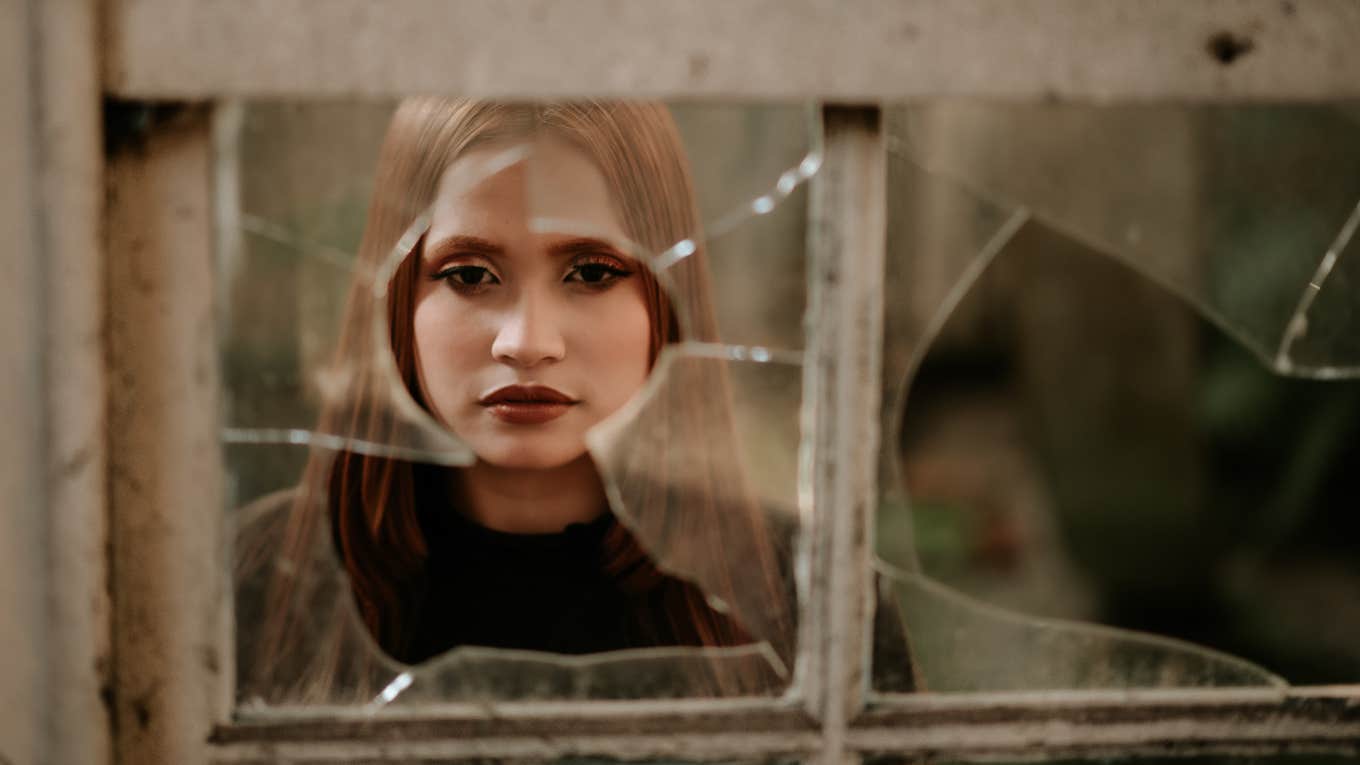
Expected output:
(697, 518)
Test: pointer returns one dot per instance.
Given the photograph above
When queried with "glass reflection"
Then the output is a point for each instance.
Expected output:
(502, 306)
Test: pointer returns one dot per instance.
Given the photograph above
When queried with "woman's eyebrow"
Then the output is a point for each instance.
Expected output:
(583, 245)
(464, 245)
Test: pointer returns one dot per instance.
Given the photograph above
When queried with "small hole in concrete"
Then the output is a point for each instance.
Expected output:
(1227, 47)
(698, 66)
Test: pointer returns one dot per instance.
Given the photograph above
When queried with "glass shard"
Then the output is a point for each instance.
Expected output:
(704, 486)
(961, 645)
(940, 239)
(1234, 208)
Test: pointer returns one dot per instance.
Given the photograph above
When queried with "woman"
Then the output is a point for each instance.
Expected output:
(519, 341)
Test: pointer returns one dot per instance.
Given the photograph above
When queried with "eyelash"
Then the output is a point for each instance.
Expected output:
(611, 269)
(448, 276)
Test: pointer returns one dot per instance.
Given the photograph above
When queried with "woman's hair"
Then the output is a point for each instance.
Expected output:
(685, 495)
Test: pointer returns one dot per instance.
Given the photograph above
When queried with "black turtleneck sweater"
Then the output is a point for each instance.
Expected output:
(540, 592)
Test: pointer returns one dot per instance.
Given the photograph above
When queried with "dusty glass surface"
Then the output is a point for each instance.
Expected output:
(545, 310)
(1119, 345)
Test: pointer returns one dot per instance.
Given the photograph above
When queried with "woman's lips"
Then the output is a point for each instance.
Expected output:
(528, 413)
(527, 404)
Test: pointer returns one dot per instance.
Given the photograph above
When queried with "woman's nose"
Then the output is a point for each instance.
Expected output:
(528, 334)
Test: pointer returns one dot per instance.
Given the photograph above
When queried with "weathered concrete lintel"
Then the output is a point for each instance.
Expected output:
(867, 50)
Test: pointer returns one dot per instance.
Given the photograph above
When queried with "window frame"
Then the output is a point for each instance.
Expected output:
(171, 643)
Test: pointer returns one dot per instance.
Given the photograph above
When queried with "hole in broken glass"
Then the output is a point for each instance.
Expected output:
(1051, 461)
(512, 257)
(985, 509)
(971, 519)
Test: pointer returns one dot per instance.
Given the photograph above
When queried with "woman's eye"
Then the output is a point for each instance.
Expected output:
(596, 274)
(467, 276)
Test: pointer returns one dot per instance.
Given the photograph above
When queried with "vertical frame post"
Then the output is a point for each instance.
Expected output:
(844, 324)
(23, 495)
(165, 460)
(70, 214)
(54, 603)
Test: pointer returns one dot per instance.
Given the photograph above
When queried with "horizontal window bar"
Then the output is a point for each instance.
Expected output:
(501, 720)
(1111, 723)
(725, 731)
(1035, 726)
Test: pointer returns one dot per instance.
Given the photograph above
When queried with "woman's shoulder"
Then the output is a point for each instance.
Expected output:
(258, 534)
(269, 508)
(297, 637)
(258, 530)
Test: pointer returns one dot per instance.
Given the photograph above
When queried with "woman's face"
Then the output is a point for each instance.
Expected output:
(524, 340)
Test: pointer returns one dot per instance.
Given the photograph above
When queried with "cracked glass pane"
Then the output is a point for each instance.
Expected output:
(1237, 209)
(288, 274)
(532, 439)
(747, 222)
(1121, 349)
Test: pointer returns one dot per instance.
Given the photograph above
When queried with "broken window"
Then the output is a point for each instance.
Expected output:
(971, 189)
(638, 270)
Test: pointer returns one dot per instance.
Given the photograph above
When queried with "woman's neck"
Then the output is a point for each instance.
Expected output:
(521, 501)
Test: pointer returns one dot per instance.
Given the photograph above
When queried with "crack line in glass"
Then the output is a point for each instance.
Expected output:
(965, 282)
(757, 353)
(278, 234)
(305, 437)
(1298, 323)
(764, 204)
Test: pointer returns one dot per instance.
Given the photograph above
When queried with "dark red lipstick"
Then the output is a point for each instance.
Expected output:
(527, 404)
